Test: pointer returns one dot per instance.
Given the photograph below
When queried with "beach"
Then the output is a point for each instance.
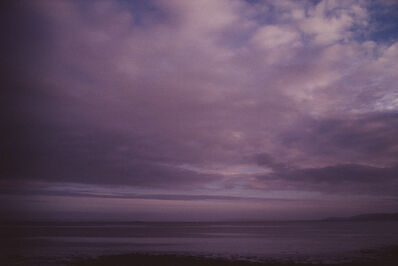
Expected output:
(382, 257)
(200, 243)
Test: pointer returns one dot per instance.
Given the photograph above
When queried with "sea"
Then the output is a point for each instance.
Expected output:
(304, 241)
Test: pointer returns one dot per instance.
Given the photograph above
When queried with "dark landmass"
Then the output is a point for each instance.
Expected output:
(382, 257)
(367, 217)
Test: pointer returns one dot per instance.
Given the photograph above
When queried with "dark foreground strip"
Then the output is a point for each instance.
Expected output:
(382, 257)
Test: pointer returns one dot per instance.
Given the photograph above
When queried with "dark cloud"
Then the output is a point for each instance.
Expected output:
(265, 159)
(337, 179)
(91, 158)
(354, 154)
(21, 27)
(370, 138)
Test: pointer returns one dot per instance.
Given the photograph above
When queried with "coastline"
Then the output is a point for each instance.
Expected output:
(387, 256)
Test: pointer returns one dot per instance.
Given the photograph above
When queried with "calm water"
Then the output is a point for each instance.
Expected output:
(324, 241)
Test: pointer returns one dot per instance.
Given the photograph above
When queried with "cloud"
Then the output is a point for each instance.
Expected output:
(330, 22)
(175, 94)
(120, 195)
(365, 138)
(351, 179)
(271, 37)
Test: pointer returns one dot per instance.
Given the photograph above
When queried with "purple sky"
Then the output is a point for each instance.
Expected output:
(199, 110)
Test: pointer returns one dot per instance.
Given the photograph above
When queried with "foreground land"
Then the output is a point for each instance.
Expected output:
(382, 257)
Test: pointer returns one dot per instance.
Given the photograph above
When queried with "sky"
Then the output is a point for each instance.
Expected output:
(208, 110)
